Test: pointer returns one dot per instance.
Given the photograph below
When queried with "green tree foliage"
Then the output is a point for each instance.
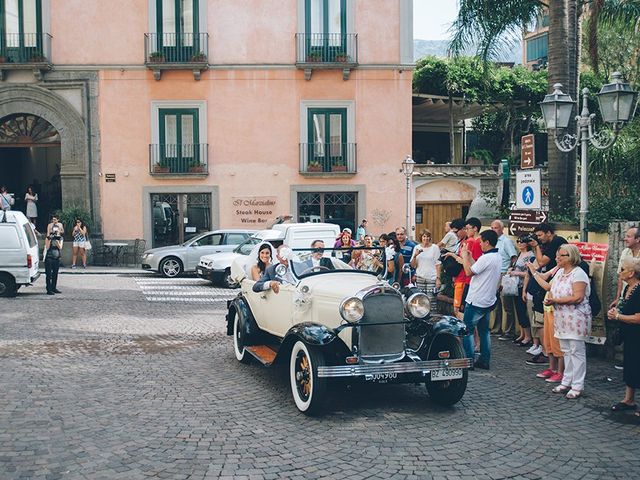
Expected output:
(511, 95)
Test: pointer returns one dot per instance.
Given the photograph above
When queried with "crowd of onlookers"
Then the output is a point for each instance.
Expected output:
(535, 292)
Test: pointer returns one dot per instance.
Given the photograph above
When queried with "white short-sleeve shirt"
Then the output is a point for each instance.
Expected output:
(484, 282)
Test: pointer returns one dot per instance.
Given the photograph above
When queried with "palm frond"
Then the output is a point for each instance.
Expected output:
(486, 24)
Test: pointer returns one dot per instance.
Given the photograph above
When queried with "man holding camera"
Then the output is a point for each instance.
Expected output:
(53, 247)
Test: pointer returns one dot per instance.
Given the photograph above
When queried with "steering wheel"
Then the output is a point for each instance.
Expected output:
(319, 268)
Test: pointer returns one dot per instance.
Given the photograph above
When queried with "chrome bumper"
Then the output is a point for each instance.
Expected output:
(424, 367)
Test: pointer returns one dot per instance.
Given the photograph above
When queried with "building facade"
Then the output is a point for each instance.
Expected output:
(535, 43)
(165, 118)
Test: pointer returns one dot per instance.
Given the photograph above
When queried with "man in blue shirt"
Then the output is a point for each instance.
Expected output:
(362, 230)
(504, 315)
(406, 248)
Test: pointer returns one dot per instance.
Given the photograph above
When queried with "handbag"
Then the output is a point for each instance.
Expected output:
(509, 286)
(87, 245)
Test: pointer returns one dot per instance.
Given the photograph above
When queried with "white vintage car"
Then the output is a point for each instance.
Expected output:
(341, 321)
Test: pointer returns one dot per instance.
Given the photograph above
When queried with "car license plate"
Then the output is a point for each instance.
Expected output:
(446, 374)
(200, 271)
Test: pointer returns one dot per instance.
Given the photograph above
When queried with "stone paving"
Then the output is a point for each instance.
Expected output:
(100, 383)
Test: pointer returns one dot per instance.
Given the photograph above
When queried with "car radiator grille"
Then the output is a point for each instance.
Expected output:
(382, 339)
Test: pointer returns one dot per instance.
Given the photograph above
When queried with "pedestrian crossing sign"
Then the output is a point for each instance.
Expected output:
(528, 190)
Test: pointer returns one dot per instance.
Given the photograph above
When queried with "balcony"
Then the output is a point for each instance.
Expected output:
(173, 51)
(320, 159)
(326, 51)
(170, 160)
(26, 51)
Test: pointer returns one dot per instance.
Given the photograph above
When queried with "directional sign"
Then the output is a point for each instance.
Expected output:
(522, 222)
(527, 151)
(528, 191)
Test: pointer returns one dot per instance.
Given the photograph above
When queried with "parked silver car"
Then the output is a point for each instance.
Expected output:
(174, 260)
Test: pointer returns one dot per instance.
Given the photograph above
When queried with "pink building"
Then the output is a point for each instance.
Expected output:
(165, 118)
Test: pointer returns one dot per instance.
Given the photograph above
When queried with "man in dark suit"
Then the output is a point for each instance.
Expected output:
(317, 260)
(270, 280)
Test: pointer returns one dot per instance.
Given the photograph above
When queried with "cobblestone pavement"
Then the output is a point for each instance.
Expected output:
(101, 383)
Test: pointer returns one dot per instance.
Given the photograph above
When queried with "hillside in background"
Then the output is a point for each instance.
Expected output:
(438, 48)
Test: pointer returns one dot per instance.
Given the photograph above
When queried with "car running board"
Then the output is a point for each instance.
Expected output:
(263, 353)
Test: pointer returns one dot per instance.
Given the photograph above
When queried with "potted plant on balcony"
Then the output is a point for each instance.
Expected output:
(162, 166)
(339, 166)
(37, 57)
(199, 57)
(314, 166)
(156, 57)
(314, 57)
(196, 167)
(342, 57)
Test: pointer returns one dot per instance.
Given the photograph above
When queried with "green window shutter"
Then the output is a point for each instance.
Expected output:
(179, 138)
(21, 29)
(177, 24)
(325, 28)
(327, 137)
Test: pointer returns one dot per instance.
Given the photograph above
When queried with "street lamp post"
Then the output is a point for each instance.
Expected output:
(617, 103)
(407, 169)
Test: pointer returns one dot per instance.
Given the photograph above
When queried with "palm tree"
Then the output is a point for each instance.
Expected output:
(489, 24)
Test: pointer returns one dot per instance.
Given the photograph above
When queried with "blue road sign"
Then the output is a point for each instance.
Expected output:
(527, 195)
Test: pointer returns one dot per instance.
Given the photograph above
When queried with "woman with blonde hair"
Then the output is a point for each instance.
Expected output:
(628, 313)
(569, 295)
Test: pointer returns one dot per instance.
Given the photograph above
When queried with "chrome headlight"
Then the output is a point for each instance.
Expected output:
(352, 309)
(418, 305)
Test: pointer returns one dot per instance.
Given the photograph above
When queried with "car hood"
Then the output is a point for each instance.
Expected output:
(170, 249)
(339, 284)
(221, 258)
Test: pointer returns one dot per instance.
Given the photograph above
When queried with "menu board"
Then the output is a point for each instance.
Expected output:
(595, 254)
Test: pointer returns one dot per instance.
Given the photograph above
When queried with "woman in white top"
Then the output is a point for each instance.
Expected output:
(569, 296)
(426, 261)
(32, 209)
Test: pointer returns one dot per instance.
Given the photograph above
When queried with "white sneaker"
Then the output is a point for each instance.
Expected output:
(535, 350)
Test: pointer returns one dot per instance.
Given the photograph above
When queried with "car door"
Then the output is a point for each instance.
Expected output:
(205, 245)
(273, 312)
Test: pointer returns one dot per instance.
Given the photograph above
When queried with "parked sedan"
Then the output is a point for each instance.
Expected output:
(174, 260)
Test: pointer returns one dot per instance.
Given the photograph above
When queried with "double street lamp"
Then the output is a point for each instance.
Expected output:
(407, 169)
(617, 104)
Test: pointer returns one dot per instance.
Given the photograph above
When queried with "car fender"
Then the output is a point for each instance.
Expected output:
(315, 334)
(450, 325)
(239, 306)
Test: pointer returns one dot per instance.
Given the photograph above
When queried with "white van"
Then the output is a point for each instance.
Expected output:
(18, 253)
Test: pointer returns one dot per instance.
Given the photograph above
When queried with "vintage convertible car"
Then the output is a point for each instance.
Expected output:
(333, 322)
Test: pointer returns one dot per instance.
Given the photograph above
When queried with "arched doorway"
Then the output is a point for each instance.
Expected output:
(57, 115)
(30, 156)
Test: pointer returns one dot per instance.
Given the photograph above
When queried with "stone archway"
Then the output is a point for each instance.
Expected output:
(74, 167)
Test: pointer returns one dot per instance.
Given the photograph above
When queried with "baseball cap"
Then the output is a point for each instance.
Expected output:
(348, 230)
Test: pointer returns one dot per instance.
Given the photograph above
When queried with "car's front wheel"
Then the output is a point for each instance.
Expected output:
(170, 267)
(447, 392)
(309, 391)
(238, 339)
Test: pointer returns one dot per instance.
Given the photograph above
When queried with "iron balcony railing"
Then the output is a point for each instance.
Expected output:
(181, 159)
(325, 48)
(328, 158)
(25, 48)
(176, 47)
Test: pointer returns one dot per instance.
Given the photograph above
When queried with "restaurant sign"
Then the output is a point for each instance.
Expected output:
(253, 211)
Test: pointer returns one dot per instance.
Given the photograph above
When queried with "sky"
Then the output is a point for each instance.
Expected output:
(432, 18)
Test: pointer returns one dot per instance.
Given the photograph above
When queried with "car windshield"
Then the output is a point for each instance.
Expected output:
(317, 261)
(245, 247)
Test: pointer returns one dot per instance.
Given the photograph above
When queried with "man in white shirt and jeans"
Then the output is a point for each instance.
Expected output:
(485, 276)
